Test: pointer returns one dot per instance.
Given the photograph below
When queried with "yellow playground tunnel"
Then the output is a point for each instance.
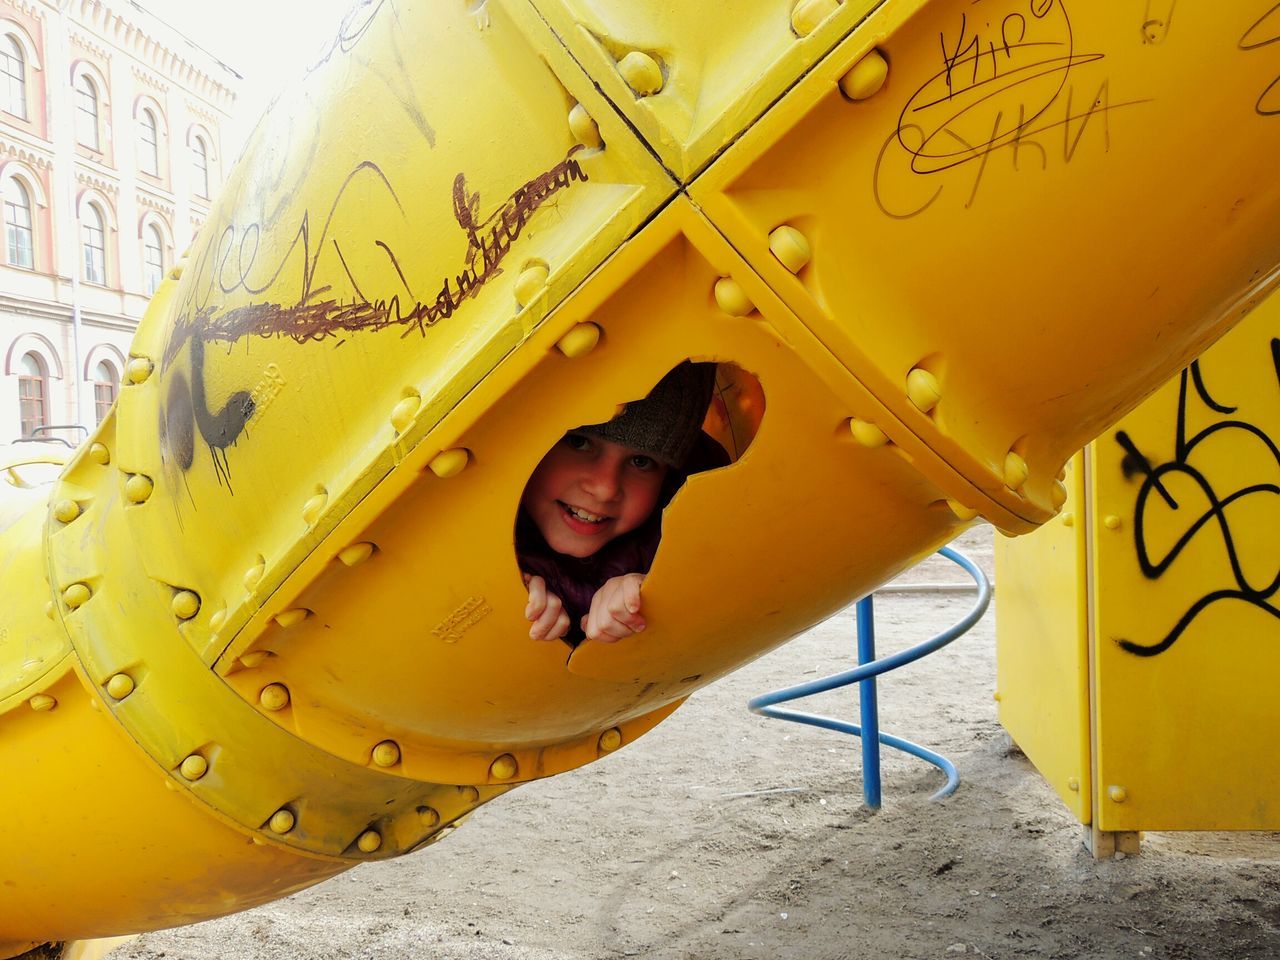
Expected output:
(267, 623)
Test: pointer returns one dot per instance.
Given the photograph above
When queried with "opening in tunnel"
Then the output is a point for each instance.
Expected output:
(589, 522)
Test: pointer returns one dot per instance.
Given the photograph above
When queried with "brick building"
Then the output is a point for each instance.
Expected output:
(111, 132)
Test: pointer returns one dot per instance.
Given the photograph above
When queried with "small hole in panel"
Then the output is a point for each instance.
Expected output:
(589, 521)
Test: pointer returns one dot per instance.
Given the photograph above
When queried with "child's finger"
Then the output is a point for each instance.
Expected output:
(537, 598)
(545, 624)
(631, 593)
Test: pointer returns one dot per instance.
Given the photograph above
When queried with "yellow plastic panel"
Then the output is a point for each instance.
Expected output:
(1009, 213)
(398, 223)
(1042, 656)
(78, 853)
(715, 80)
(1187, 630)
(424, 642)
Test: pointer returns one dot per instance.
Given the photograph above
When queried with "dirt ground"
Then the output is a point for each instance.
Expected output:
(725, 836)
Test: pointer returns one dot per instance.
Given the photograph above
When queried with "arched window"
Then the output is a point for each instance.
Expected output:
(106, 384)
(149, 148)
(200, 158)
(87, 113)
(33, 382)
(95, 245)
(13, 74)
(153, 257)
(18, 224)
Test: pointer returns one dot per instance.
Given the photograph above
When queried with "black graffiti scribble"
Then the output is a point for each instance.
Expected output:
(999, 87)
(355, 24)
(1154, 481)
(229, 264)
(1155, 28)
(1261, 33)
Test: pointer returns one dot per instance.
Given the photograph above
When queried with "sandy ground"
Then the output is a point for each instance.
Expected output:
(725, 836)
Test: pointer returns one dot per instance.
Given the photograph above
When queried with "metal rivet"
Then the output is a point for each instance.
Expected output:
(867, 434)
(450, 463)
(961, 511)
(1073, 785)
(253, 576)
(185, 604)
(292, 617)
(732, 299)
(1058, 494)
(469, 794)
(282, 821)
(579, 341)
(641, 72)
(531, 281)
(273, 697)
(1068, 520)
(76, 595)
(923, 389)
(503, 768)
(807, 14)
(386, 754)
(402, 413)
(1117, 794)
(610, 740)
(139, 369)
(356, 554)
(1112, 522)
(584, 128)
(120, 686)
(428, 816)
(1015, 470)
(64, 511)
(194, 767)
(99, 454)
(138, 488)
(42, 702)
(313, 508)
(254, 658)
(866, 77)
(791, 247)
(369, 841)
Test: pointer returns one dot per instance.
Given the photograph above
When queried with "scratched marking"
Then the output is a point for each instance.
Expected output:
(1256, 591)
(1261, 33)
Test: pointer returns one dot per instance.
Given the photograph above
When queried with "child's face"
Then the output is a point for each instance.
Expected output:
(587, 490)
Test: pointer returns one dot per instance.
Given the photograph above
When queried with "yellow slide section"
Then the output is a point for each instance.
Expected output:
(268, 622)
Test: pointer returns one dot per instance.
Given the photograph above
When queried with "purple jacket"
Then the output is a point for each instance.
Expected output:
(575, 580)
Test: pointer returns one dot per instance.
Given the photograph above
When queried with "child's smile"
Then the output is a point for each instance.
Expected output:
(587, 491)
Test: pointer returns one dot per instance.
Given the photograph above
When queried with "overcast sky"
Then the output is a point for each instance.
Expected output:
(267, 42)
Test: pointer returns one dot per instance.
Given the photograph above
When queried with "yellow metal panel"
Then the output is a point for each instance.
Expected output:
(1042, 657)
(963, 219)
(410, 219)
(1187, 630)
(447, 672)
(715, 81)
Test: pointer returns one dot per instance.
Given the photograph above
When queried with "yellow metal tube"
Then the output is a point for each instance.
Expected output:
(267, 623)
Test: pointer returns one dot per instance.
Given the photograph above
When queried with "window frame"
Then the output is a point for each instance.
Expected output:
(20, 79)
(13, 229)
(200, 151)
(94, 96)
(151, 147)
(86, 247)
(33, 389)
(151, 280)
(104, 391)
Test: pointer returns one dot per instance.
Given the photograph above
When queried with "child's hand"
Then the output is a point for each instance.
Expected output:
(615, 610)
(545, 611)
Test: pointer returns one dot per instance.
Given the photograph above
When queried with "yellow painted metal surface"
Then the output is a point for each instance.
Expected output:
(1178, 538)
(274, 603)
(1042, 654)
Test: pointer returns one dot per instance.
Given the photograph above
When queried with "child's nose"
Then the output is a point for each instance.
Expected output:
(602, 482)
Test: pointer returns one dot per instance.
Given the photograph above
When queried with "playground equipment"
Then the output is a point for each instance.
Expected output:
(267, 623)
(1141, 684)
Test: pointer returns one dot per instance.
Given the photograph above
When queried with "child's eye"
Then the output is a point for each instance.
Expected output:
(642, 462)
(577, 441)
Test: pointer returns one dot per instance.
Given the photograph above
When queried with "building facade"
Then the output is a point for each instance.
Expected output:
(111, 132)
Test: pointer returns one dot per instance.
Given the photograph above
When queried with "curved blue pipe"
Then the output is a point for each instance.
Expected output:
(765, 703)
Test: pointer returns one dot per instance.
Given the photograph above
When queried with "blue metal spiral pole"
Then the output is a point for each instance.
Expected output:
(869, 668)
